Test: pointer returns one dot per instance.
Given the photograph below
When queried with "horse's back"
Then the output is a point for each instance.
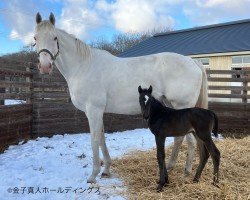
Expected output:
(117, 79)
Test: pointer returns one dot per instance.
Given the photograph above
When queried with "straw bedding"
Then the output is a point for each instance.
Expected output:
(139, 171)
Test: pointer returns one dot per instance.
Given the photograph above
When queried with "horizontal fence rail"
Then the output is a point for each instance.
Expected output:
(229, 85)
(47, 109)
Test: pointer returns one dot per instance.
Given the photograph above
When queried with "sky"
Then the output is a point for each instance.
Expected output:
(90, 20)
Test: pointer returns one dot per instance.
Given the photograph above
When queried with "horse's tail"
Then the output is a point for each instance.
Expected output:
(215, 128)
(203, 96)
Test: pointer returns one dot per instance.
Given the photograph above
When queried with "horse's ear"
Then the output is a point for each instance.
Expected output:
(140, 89)
(52, 18)
(38, 18)
(150, 89)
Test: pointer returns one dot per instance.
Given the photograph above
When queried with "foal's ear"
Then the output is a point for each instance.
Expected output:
(150, 89)
(140, 89)
(52, 18)
(38, 18)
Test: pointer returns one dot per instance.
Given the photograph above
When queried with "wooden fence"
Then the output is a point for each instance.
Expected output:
(48, 109)
(15, 120)
(229, 95)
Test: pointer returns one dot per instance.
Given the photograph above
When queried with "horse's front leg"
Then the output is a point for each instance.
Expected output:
(106, 156)
(160, 145)
(95, 118)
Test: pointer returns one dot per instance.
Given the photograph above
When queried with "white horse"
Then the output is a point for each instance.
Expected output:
(102, 83)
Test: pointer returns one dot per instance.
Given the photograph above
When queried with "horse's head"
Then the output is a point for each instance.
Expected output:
(144, 99)
(47, 45)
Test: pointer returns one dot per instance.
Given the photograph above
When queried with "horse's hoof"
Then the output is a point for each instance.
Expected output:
(91, 180)
(105, 175)
(187, 173)
(169, 168)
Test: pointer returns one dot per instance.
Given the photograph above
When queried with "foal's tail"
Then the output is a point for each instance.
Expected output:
(215, 128)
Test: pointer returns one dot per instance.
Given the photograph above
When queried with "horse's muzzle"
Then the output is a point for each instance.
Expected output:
(45, 69)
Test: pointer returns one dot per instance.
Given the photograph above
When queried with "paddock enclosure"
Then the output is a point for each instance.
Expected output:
(46, 108)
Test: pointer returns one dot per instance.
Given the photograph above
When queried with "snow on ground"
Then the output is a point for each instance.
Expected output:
(58, 167)
(13, 102)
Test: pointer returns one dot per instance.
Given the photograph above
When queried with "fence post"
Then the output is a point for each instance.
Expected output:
(244, 93)
(30, 89)
(2, 90)
(244, 100)
(29, 80)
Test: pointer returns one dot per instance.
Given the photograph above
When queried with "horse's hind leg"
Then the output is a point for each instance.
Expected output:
(204, 155)
(175, 151)
(106, 156)
(215, 154)
(190, 154)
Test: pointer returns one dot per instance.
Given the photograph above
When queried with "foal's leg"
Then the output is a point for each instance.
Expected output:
(95, 118)
(204, 155)
(160, 144)
(190, 154)
(175, 151)
(106, 156)
(215, 154)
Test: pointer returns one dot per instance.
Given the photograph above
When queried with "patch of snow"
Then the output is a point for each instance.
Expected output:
(13, 102)
(63, 164)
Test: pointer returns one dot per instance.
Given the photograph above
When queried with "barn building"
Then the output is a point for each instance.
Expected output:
(220, 46)
(223, 46)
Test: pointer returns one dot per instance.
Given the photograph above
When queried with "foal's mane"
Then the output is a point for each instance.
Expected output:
(155, 102)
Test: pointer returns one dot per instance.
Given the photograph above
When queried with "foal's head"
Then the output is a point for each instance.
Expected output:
(144, 99)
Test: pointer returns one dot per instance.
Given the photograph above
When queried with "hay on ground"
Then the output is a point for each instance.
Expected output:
(139, 171)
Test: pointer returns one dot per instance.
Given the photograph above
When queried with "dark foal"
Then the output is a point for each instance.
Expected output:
(166, 122)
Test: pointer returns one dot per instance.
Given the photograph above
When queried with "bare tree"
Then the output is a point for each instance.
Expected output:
(123, 41)
(27, 54)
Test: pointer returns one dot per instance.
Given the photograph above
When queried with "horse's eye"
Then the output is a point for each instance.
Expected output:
(55, 38)
(34, 38)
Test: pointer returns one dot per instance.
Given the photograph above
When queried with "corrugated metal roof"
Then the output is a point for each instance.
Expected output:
(217, 38)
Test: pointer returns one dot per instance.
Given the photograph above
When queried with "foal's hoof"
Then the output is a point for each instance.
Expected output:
(105, 175)
(159, 188)
(215, 183)
(196, 180)
(163, 185)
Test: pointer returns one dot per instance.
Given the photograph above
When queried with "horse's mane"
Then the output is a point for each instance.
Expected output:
(81, 47)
